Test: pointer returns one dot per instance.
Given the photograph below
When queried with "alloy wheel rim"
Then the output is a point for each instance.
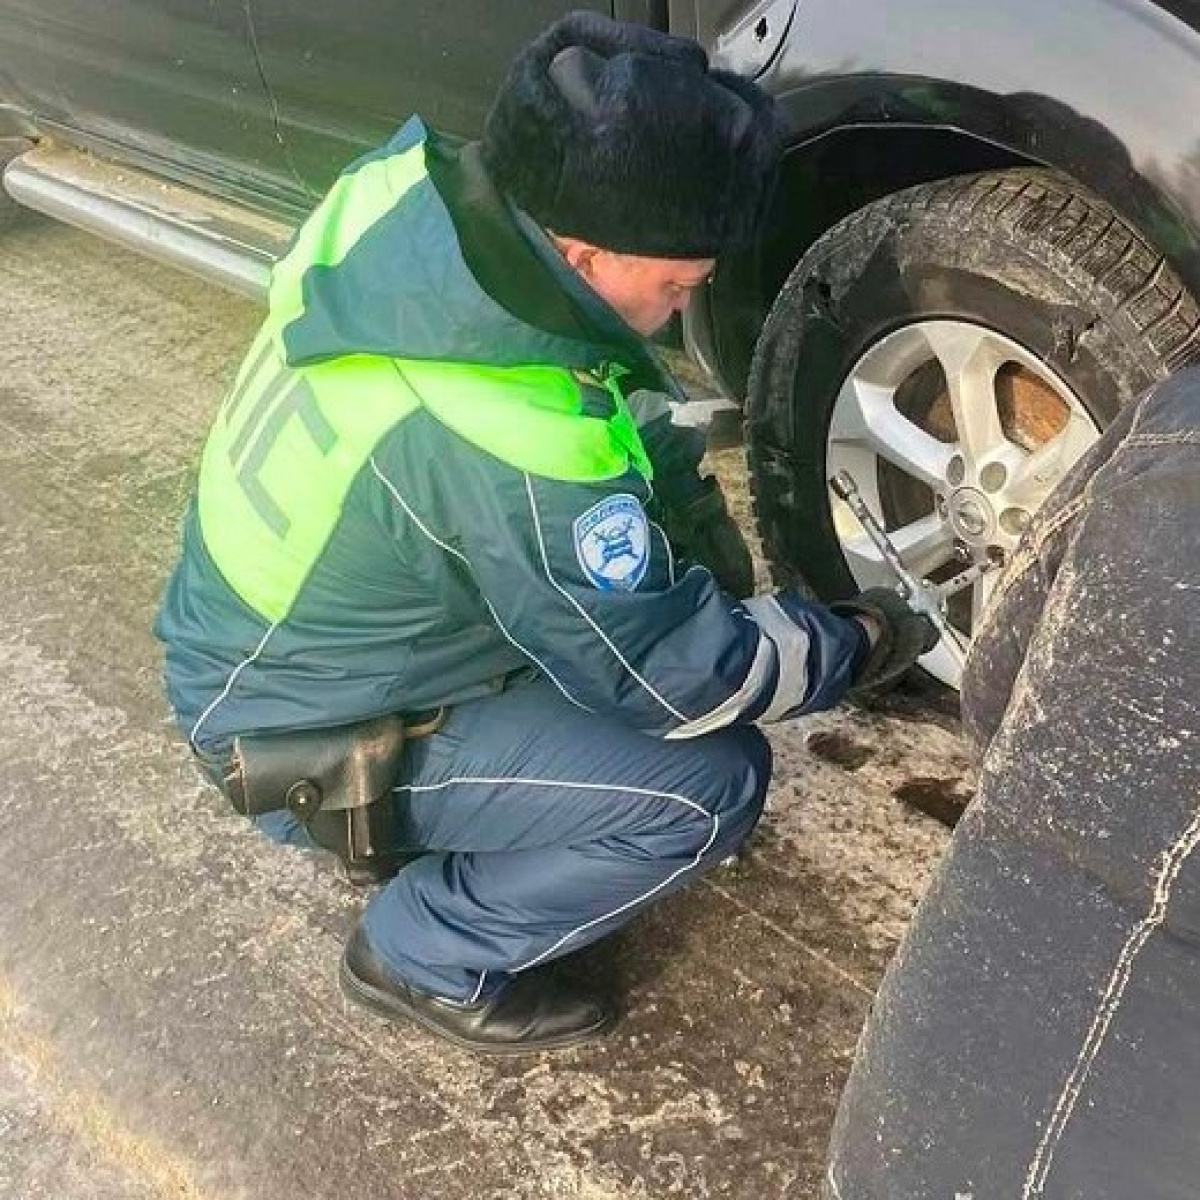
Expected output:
(955, 435)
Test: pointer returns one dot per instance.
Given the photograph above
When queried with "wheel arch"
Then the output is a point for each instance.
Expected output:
(833, 172)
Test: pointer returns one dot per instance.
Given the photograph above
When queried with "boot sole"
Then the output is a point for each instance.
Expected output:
(387, 1004)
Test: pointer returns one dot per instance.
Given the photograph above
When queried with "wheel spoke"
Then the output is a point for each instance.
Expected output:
(945, 662)
(924, 545)
(865, 563)
(970, 361)
(1039, 473)
(866, 414)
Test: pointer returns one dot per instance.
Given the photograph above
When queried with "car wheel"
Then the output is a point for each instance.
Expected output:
(955, 347)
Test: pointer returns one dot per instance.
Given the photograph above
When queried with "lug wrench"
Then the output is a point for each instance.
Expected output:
(920, 595)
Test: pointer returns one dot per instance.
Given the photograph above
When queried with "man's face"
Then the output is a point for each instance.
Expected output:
(646, 292)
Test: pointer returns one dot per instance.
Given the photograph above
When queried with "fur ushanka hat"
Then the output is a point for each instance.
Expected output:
(624, 137)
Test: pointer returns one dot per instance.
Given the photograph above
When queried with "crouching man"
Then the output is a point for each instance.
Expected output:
(453, 599)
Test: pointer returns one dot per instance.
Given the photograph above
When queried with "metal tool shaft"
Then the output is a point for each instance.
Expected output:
(920, 595)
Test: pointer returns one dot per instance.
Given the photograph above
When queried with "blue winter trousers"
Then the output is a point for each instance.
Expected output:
(547, 827)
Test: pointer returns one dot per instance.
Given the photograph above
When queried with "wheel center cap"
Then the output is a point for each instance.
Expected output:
(971, 515)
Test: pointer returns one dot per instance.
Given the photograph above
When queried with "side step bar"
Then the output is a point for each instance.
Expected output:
(218, 241)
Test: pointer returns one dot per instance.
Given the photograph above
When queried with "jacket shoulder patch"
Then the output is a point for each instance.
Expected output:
(612, 543)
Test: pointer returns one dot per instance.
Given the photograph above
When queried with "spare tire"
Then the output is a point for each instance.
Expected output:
(955, 347)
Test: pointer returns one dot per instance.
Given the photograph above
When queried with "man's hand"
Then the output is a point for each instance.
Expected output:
(903, 637)
(702, 529)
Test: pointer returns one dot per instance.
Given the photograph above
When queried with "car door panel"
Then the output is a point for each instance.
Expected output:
(345, 75)
(175, 81)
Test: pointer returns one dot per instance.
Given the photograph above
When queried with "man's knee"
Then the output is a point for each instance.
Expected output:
(702, 798)
(738, 772)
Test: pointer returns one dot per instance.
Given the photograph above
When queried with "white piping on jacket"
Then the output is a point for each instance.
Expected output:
(233, 675)
(391, 487)
(593, 787)
(537, 524)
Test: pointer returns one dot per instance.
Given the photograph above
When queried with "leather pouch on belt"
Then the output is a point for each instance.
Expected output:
(318, 770)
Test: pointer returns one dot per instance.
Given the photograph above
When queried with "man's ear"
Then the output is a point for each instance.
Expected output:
(581, 256)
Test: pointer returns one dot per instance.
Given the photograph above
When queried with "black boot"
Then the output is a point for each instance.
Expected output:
(533, 1012)
(371, 872)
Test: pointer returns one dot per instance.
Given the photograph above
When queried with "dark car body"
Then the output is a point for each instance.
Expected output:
(261, 101)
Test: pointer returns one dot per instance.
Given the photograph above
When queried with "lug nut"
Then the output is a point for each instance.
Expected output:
(1014, 521)
(956, 471)
(993, 477)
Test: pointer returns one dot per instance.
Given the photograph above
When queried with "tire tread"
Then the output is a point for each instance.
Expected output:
(1053, 218)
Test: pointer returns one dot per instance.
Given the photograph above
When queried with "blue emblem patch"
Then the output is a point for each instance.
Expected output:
(612, 543)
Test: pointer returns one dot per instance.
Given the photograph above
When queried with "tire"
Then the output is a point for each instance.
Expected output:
(1080, 309)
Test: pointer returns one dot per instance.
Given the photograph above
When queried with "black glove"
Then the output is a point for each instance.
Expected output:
(904, 636)
(702, 530)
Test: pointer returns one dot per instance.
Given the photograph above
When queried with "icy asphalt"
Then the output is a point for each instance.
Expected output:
(170, 1023)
